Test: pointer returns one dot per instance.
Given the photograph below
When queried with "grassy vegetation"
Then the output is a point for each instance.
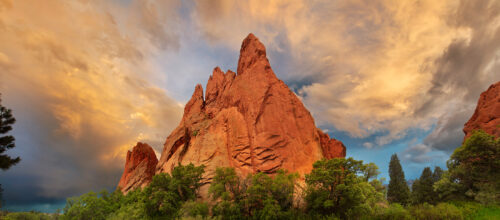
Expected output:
(451, 210)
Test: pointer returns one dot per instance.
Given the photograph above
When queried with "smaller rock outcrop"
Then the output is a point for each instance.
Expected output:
(487, 114)
(332, 148)
(140, 167)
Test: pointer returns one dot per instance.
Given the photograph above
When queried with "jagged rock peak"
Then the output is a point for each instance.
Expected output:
(216, 83)
(140, 167)
(252, 53)
(250, 121)
(487, 114)
(196, 103)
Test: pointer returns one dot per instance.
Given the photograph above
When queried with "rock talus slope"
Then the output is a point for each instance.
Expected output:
(487, 113)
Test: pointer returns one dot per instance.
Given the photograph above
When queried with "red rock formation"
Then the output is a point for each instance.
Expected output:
(487, 114)
(332, 148)
(250, 121)
(140, 167)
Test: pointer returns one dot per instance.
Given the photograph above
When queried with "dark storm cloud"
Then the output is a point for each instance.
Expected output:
(448, 133)
(467, 67)
(82, 88)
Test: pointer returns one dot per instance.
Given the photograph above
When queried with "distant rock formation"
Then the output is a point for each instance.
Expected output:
(250, 121)
(140, 167)
(487, 113)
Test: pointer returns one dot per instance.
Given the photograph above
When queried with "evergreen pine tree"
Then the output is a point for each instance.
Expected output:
(436, 176)
(398, 190)
(438, 172)
(6, 142)
(424, 191)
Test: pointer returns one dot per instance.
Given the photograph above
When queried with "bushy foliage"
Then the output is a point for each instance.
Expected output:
(163, 198)
(394, 212)
(473, 170)
(166, 193)
(451, 210)
(257, 196)
(339, 187)
(439, 211)
(397, 190)
(194, 209)
(29, 216)
(90, 206)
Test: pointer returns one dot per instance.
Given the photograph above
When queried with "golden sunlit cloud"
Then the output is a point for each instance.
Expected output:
(87, 79)
(90, 76)
(373, 60)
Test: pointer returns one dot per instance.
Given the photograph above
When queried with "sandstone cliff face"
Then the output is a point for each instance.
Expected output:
(487, 113)
(140, 167)
(250, 121)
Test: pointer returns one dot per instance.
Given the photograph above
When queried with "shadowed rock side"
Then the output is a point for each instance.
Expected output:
(487, 113)
(250, 121)
(139, 169)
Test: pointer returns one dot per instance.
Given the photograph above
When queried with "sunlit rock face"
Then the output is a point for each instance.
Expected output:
(487, 113)
(139, 169)
(249, 120)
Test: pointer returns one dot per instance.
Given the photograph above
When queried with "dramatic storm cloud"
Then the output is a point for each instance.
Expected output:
(371, 67)
(80, 86)
(87, 79)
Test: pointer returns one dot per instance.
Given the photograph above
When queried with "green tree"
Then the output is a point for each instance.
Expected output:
(437, 174)
(338, 187)
(162, 199)
(228, 191)
(7, 141)
(397, 190)
(166, 193)
(422, 189)
(370, 171)
(88, 206)
(258, 196)
(446, 189)
(194, 209)
(474, 167)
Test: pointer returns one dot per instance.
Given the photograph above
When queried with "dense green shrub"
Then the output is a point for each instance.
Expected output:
(89, 206)
(473, 169)
(339, 187)
(393, 212)
(439, 211)
(258, 196)
(163, 198)
(166, 193)
(29, 216)
(194, 209)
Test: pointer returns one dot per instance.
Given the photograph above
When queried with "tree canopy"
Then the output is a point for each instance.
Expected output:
(339, 187)
(422, 189)
(473, 170)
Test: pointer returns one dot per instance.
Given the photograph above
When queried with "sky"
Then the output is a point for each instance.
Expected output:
(87, 79)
